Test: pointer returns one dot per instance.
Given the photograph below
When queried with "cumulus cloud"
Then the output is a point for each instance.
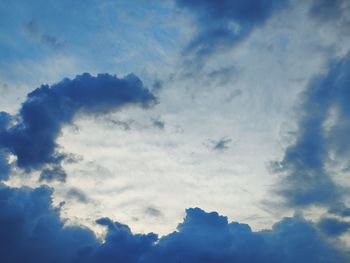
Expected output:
(31, 231)
(208, 237)
(32, 135)
(322, 138)
(224, 23)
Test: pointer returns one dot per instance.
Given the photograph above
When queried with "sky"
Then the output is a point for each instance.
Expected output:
(174, 131)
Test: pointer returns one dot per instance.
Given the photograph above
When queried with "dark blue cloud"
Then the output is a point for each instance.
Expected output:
(4, 166)
(224, 23)
(333, 227)
(32, 232)
(208, 237)
(323, 132)
(5, 119)
(121, 245)
(32, 137)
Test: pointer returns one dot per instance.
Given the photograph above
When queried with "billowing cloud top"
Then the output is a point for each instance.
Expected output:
(32, 232)
(31, 136)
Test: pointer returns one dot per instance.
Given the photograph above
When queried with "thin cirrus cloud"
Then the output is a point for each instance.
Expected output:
(32, 231)
(31, 135)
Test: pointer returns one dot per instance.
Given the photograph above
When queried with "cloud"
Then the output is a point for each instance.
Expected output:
(32, 136)
(321, 139)
(78, 195)
(45, 38)
(152, 211)
(224, 75)
(331, 10)
(224, 23)
(53, 173)
(121, 245)
(5, 119)
(333, 227)
(31, 231)
(4, 166)
(208, 237)
(125, 125)
(221, 144)
(158, 123)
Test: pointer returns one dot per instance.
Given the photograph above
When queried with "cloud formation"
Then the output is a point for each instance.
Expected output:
(333, 227)
(221, 144)
(4, 166)
(331, 10)
(47, 39)
(5, 119)
(31, 231)
(31, 136)
(322, 139)
(224, 23)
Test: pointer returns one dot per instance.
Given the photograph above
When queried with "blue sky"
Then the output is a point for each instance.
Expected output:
(174, 131)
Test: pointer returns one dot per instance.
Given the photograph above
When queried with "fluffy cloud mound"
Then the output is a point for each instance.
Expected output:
(31, 136)
(208, 237)
(322, 138)
(32, 232)
(224, 23)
